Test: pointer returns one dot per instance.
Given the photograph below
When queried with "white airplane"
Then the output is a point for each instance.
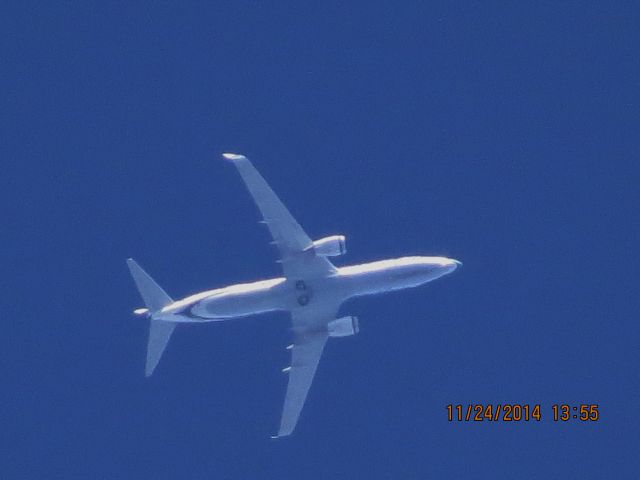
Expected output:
(311, 290)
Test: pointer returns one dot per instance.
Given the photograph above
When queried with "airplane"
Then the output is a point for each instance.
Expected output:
(311, 290)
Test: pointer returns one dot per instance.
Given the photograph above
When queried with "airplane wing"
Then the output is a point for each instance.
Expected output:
(310, 336)
(297, 259)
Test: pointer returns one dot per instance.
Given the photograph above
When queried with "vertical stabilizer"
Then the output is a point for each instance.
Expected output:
(155, 299)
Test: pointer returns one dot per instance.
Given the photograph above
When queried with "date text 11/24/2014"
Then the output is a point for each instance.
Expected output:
(515, 412)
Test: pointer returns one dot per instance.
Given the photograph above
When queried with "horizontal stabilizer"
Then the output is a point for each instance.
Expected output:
(153, 295)
(159, 335)
(155, 299)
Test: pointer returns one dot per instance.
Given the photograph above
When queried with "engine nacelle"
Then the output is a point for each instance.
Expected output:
(333, 246)
(344, 326)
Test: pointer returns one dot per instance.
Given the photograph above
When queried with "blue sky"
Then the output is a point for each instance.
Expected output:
(501, 135)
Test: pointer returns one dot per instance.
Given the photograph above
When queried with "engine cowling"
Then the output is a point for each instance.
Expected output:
(333, 246)
(344, 326)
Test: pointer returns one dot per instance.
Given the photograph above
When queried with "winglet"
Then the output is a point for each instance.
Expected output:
(233, 156)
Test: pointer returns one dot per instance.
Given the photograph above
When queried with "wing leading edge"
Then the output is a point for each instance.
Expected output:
(310, 337)
(299, 261)
(296, 255)
(305, 357)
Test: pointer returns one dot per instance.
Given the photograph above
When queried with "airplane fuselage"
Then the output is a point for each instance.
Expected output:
(312, 289)
(278, 294)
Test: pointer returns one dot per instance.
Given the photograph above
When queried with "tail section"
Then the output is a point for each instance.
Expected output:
(155, 299)
(153, 295)
(159, 335)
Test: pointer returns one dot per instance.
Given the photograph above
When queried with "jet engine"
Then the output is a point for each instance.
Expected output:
(344, 326)
(330, 246)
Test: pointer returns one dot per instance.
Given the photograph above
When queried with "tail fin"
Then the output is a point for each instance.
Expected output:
(155, 299)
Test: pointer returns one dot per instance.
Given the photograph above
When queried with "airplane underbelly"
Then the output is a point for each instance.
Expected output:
(237, 305)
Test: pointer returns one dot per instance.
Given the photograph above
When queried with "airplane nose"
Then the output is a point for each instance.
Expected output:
(452, 265)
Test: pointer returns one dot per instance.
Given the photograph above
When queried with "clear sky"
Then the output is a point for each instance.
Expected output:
(501, 135)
